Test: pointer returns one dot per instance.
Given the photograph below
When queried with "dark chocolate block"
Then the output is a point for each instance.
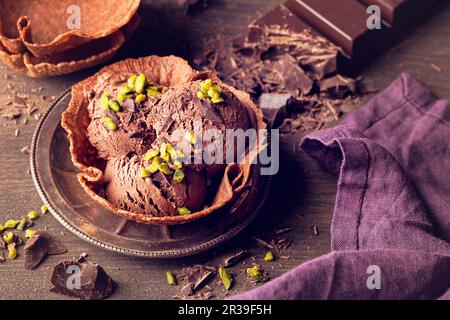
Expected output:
(344, 23)
(400, 13)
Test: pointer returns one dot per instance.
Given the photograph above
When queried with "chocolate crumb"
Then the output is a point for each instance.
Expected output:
(26, 150)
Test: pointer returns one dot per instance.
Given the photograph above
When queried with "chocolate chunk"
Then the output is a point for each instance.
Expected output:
(36, 249)
(293, 75)
(273, 106)
(338, 87)
(39, 246)
(93, 281)
(55, 247)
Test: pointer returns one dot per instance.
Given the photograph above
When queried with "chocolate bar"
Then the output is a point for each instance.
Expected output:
(400, 13)
(344, 23)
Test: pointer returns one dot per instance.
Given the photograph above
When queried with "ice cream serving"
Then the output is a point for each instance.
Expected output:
(137, 133)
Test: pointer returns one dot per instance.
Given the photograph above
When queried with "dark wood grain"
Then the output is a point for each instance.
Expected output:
(303, 194)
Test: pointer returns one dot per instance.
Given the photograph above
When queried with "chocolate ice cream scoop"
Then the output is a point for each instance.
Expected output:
(157, 195)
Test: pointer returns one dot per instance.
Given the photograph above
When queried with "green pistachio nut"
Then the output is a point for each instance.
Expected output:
(11, 224)
(171, 278)
(132, 81)
(109, 123)
(178, 175)
(164, 168)
(144, 173)
(183, 211)
(140, 83)
(8, 237)
(114, 105)
(104, 101)
(139, 98)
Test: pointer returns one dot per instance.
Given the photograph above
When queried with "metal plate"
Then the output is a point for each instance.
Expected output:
(54, 176)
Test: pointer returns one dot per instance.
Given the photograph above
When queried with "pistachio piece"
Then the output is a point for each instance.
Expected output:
(22, 224)
(139, 98)
(183, 211)
(178, 176)
(155, 88)
(190, 137)
(217, 100)
(104, 101)
(205, 85)
(257, 274)
(225, 277)
(172, 152)
(132, 81)
(164, 151)
(178, 164)
(32, 215)
(125, 89)
(11, 224)
(114, 105)
(153, 168)
(123, 97)
(150, 154)
(109, 123)
(12, 251)
(212, 93)
(201, 95)
(2, 227)
(144, 173)
(180, 154)
(44, 209)
(164, 168)
(29, 233)
(218, 88)
(268, 256)
(140, 83)
(171, 278)
(8, 237)
(152, 92)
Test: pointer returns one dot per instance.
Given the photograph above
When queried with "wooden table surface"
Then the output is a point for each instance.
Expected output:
(303, 194)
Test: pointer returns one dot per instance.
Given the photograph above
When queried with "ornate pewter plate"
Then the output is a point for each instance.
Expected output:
(55, 179)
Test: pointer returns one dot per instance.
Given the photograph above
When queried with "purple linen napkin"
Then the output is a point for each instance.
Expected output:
(390, 234)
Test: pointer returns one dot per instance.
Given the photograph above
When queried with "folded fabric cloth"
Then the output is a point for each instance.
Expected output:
(390, 234)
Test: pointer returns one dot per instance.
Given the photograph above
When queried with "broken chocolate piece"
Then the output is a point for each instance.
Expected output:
(293, 76)
(36, 250)
(39, 246)
(338, 87)
(274, 106)
(93, 282)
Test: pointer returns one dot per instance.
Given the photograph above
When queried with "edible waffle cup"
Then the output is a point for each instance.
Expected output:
(167, 71)
(35, 40)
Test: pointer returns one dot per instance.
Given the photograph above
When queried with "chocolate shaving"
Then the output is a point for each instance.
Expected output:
(232, 260)
(264, 244)
(208, 112)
